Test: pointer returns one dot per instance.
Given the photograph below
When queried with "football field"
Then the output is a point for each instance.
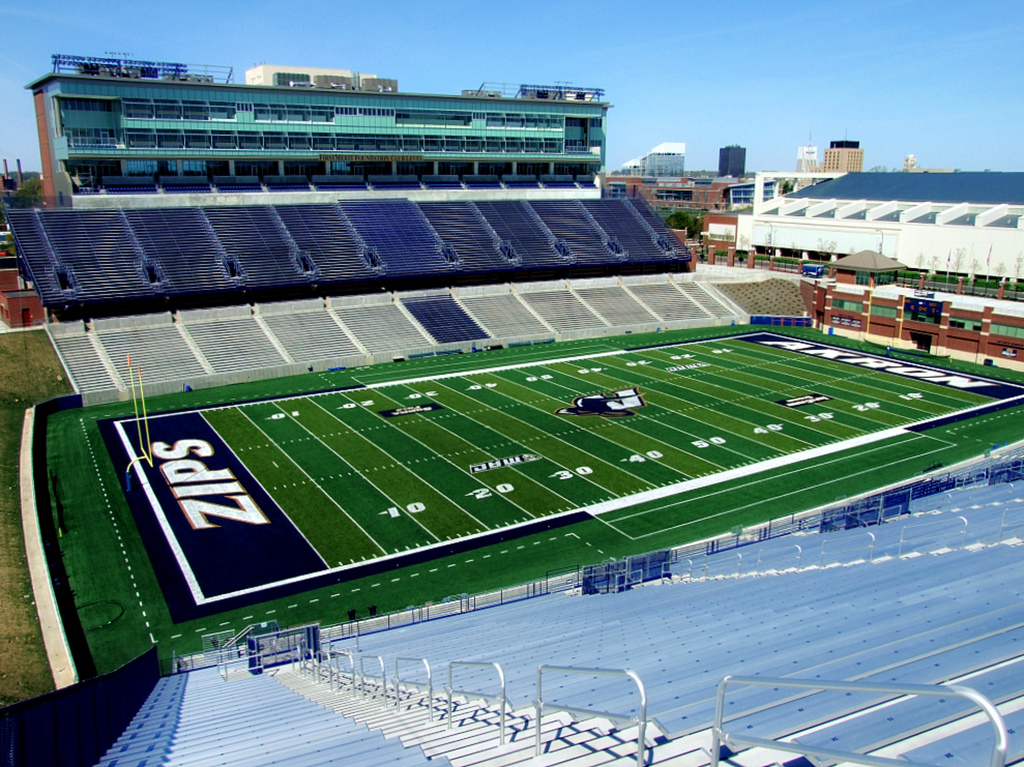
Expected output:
(279, 496)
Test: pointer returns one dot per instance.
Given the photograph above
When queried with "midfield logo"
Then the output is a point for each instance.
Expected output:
(614, 405)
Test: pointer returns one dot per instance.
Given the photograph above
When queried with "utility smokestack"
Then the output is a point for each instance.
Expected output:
(20, 179)
(6, 175)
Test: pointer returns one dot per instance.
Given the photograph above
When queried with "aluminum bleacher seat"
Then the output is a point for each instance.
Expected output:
(921, 620)
(504, 315)
(443, 318)
(158, 349)
(306, 331)
(615, 305)
(705, 296)
(198, 719)
(560, 309)
(668, 302)
(230, 339)
(81, 359)
(401, 235)
(379, 327)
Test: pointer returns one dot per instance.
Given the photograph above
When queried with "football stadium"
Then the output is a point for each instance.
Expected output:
(392, 439)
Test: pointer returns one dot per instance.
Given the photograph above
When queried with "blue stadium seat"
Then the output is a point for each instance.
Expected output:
(444, 319)
(400, 234)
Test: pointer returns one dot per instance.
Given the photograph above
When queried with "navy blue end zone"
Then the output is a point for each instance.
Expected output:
(986, 387)
(197, 556)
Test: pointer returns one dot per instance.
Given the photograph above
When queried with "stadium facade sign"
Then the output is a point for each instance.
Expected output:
(931, 375)
(370, 157)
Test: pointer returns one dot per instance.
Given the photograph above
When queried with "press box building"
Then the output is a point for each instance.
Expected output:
(104, 120)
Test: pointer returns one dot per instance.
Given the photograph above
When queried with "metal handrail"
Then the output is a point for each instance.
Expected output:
(718, 735)
(416, 685)
(963, 537)
(871, 553)
(640, 719)
(799, 558)
(383, 675)
(500, 699)
(335, 672)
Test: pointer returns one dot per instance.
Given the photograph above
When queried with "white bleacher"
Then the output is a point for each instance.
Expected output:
(708, 297)
(81, 360)
(306, 331)
(664, 299)
(615, 304)
(558, 307)
(230, 339)
(502, 313)
(917, 619)
(199, 720)
(155, 344)
(379, 324)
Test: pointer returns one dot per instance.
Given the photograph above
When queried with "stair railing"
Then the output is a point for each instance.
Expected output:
(719, 736)
(640, 719)
(363, 675)
(903, 532)
(427, 687)
(500, 700)
(337, 674)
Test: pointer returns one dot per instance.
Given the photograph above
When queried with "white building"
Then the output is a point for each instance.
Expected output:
(666, 159)
(973, 221)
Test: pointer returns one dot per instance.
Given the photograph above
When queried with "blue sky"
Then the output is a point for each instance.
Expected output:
(941, 80)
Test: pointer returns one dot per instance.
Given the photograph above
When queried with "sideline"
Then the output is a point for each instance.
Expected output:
(58, 653)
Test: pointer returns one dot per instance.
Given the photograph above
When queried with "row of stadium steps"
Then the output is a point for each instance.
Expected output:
(843, 605)
(82, 257)
(942, 612)
(197, 343)
(199, 721)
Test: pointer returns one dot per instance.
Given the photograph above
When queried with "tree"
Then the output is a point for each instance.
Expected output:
(933, 262)
(828, 247)
(29, 194)
(975, 265)
(920, 261)
(692, 223)
(785, 186)
(1018, 264)
(958, 258)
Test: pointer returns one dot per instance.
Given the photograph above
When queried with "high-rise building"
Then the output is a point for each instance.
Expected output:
(807, 159)
(909, 163)
(843, 157)
(732, 160)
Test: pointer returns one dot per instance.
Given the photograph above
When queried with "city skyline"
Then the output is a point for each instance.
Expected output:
(899, 77)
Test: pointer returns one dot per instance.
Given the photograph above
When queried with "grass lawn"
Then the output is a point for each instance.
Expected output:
(29, 372)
